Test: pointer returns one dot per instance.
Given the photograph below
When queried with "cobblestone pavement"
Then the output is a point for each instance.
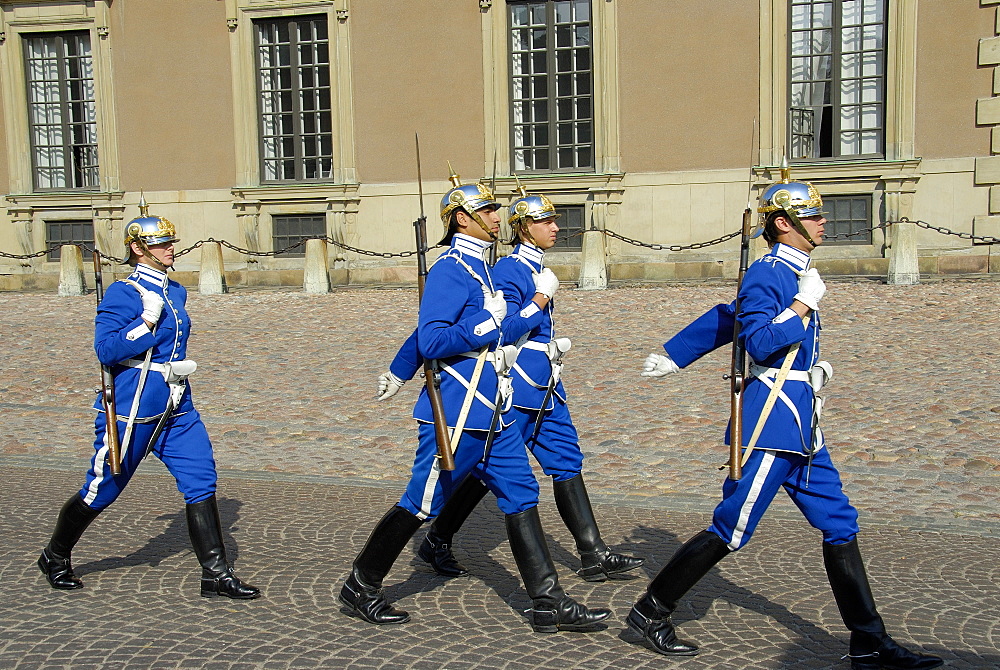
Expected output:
(310, 461)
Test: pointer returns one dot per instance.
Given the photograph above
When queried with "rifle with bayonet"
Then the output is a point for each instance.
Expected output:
(738, 370)
(737, 373)
(107, 390)
(432, 380)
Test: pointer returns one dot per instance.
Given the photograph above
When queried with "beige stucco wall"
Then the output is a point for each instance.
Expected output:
(949, 82)
(173, 94)
(4, 148)
(688, 95)
(419, 72)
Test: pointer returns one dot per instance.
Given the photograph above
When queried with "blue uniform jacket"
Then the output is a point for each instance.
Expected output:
(525, 322)
(768, 327)
(452, 322)
(705, 334)
(120, 334)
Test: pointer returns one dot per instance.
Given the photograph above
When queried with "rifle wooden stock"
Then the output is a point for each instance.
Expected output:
(108, 388)
(737, 374)
(430, 374)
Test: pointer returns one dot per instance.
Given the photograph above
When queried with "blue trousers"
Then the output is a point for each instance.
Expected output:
(823, 502)
(557, 447)
(183, 446)
(505, 471)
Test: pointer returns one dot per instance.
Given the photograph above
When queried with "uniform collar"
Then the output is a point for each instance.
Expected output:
(797, 258)
(151, 275)
(530, 253)
(472, 246)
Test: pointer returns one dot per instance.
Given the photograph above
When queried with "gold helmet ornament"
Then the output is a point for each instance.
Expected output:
(526, 210)
(469, 198)
(795, 198)
(147, 230)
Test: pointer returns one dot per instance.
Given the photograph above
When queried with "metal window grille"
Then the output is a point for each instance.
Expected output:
(293, 66)
(69, 232)
(62, 113)
(848, 214)
(288, 230)
(551, 86)
(837, 78)
(571, 225)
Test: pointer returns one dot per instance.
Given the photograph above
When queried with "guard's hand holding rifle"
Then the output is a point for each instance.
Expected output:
(658, 365)
(388, 384)
(546, 283)
(811, 289)
(496, 305)
(152, 307)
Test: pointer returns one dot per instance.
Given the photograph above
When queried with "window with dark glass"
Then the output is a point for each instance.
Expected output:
(289, 230)
(847, 215)
(551, 86)
(837, 78)
(293, 66)
(62, 113)
(69, 232)
(570, 235)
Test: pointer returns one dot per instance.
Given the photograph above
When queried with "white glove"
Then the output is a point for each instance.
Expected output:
(388, 384)
(152, 307)
(811, 289)
(658, 365)
(546, 283)
(496, 305)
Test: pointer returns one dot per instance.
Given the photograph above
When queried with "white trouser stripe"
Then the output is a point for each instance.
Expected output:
(429, 486)
(752, 495)
(98, 471)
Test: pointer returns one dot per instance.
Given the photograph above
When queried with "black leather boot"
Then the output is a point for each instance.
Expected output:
(650, 617)
(599, 562)
(871, 647)
(54, 562)
(217, 578)
(551, 610)
(436, 547)
(362, 594)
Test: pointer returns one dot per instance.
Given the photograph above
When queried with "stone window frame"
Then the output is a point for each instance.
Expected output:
(890, 180)
(20, 18)
(599, 189)
(240, 15)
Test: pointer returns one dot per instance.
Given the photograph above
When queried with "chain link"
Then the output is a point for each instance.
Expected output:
(984, 239)
(672, 247)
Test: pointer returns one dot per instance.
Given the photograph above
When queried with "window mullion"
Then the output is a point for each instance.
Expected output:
(553, 89)
(64, 111)
(836, 78)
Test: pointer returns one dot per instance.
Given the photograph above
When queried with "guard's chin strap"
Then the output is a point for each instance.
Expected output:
(482, 224)
(148, 254)
(797, 224)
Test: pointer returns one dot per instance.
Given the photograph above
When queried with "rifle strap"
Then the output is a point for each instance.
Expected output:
(143, 372)
(470, 394)
(772, 397)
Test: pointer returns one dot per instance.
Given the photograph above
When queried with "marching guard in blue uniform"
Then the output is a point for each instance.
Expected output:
(460, 328)
(779, 326)
(141, 333)
(528, 287)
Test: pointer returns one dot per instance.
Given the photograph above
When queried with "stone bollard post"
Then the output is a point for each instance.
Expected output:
(903, 266)
(593, 263)
(212, 278)
(317, 274)
(71, 281)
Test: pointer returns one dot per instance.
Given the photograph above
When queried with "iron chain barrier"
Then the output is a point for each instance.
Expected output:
(982, 239)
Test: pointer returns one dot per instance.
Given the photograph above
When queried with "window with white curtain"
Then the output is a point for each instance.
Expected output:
(62, 114)
(293, 65)
(551, 86)
(837, 55)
